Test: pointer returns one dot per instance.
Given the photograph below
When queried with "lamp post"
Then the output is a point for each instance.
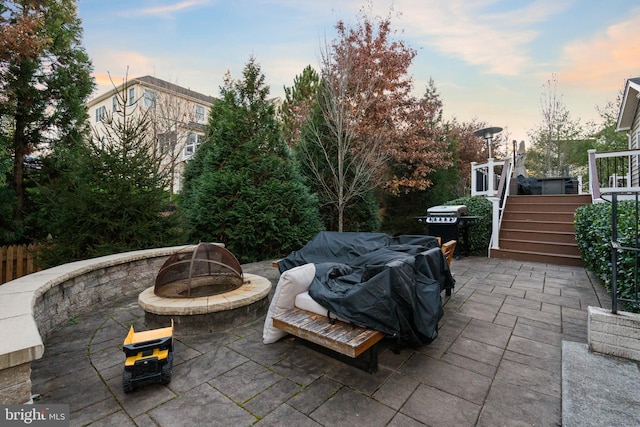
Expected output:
(487, 134)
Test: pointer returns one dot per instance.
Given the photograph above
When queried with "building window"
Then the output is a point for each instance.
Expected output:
(101, 113)
(149, 98)
(166, 142)
(199, 113)
(101, 142)
(132, 95)
(193, 139)
(114, 104)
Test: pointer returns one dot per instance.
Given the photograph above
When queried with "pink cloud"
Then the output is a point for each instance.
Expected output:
(607, 58)
(171, 8)
(498, 42)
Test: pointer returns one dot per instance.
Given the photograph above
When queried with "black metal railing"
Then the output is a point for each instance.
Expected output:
(625, 253)
(613, 171)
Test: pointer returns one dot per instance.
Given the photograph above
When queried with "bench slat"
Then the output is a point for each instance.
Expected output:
(335, 331)
(342, 337)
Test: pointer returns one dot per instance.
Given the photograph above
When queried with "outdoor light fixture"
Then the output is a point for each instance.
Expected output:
(487, 134)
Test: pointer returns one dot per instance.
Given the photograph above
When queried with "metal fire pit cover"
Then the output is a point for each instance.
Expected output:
(204, 270)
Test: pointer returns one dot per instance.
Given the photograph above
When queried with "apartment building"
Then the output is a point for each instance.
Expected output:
(178, 117)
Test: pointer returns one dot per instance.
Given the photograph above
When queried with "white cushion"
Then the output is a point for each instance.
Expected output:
(292, 282)
(305, 302)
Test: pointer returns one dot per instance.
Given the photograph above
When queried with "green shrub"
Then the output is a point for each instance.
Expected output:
(479, 230)
(593, 233)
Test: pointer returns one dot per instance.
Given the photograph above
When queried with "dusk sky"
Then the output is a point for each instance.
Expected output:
(489, 59)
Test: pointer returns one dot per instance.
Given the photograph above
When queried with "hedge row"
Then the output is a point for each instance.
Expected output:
(593, 225)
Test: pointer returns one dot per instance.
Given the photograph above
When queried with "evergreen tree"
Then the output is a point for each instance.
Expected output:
(7, 199)
(298, 104)
(242, 187)
(44, 81)
(107, 195)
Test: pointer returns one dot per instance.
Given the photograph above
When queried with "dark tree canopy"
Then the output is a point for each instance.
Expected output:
(242, 187)
(44, 81)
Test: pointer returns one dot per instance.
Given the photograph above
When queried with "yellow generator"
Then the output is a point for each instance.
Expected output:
(149, 357)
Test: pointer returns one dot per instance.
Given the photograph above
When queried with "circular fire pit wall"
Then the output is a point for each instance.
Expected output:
(203, 289)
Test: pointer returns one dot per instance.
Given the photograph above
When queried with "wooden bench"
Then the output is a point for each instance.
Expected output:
(448, 249)
(343, 338)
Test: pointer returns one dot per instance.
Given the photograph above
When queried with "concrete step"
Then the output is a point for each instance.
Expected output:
(590, 378)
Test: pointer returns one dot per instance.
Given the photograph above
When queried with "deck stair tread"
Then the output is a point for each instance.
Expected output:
(519, 230)
(540, 228)
(563, 255)
(537, 241)
(520, 255)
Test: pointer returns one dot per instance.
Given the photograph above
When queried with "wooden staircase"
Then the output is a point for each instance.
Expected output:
(540, 229)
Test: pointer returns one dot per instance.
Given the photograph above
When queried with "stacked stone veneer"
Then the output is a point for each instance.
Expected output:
(32, 306)
(614, 334)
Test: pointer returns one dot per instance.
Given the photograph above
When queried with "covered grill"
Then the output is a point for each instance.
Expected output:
(449, 222)
(444, 214)
(202, 270)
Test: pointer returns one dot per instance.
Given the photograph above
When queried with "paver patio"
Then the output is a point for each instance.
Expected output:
(497, 361)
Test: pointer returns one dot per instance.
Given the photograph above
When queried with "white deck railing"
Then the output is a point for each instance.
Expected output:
(484, 177)
(485, 181)
(609, 172)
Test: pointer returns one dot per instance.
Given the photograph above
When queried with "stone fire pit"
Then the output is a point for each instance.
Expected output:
(203, 289)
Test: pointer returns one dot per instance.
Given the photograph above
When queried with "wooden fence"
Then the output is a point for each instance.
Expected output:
(16, 261)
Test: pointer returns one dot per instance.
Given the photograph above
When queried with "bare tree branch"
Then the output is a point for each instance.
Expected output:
(355, 164)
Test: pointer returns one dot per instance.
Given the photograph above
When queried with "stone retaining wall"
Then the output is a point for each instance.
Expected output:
(614, 334)
(32, 306)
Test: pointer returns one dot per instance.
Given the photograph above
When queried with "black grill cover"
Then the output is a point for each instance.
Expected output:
(388, 283)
